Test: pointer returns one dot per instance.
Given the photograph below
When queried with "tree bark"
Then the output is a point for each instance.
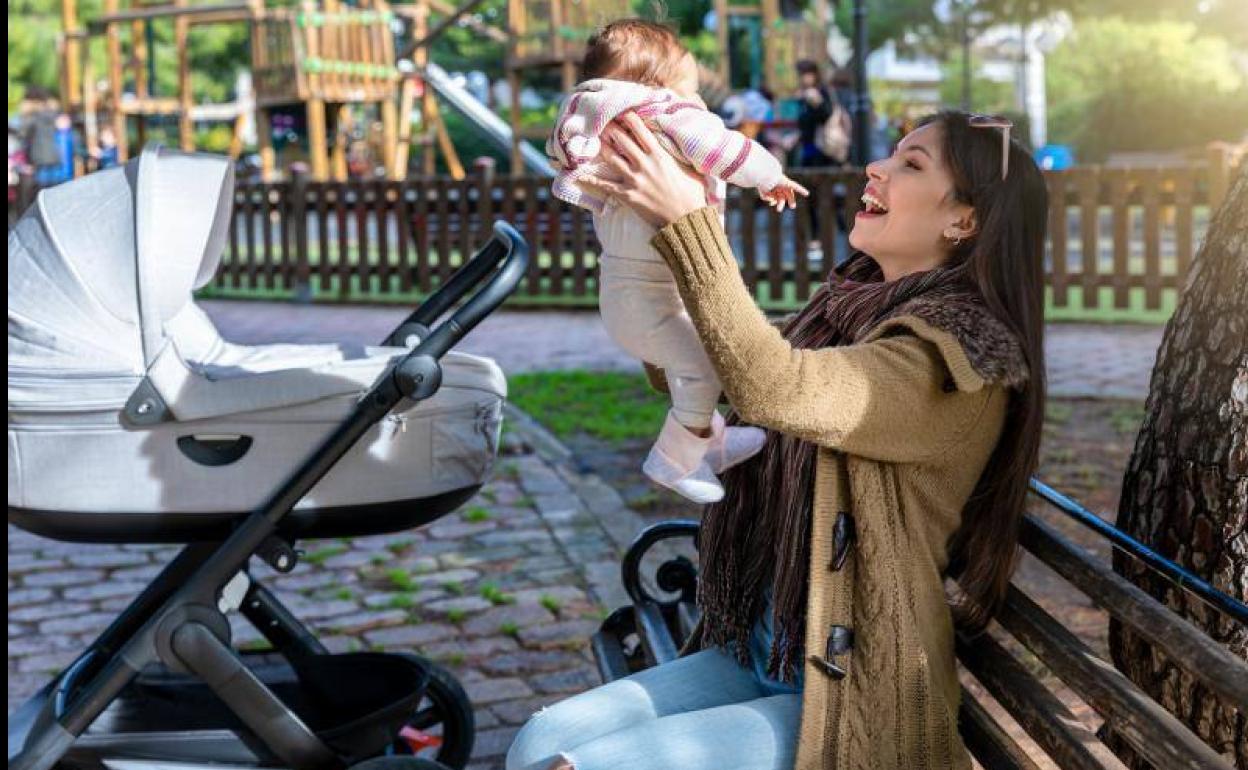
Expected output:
(1185, 492)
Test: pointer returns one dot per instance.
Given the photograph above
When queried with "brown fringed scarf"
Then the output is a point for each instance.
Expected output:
(759, 532)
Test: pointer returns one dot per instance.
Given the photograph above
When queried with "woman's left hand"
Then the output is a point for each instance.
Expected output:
(643, 176)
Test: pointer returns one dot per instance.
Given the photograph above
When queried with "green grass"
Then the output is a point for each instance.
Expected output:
(1126, 419)
(613, 406)
(495, 595)
(508, 628)
(401, 601)
(401, 579)
(456, 614)
(476, 514)
(550, 603)
(454, 588)
(322, 555)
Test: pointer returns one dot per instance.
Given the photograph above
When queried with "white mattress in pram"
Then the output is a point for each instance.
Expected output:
(101, 272)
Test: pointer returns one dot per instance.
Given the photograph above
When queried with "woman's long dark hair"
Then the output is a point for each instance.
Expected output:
(1005, 259)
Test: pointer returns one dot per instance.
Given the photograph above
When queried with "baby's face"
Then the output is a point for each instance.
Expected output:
(686, 82)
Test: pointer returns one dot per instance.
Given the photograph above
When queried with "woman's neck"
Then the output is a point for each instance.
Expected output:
(894, 269)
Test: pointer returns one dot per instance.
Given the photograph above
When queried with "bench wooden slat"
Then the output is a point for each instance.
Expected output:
(1151, 730)
(1041, 713)
(987, 741)
(1189, 647)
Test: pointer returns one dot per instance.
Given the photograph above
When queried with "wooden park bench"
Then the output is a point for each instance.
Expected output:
(652, 630)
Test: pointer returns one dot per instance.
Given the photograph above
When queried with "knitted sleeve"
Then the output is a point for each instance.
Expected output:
(892, 399)
(714, 149)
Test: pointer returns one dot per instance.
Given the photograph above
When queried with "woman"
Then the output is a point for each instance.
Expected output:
(903, 408)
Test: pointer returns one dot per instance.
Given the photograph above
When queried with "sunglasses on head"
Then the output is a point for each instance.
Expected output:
(992, 121)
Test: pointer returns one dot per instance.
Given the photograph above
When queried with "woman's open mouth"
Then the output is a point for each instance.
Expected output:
(872, 206)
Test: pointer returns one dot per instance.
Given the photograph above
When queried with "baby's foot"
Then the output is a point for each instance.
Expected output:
(732, 445)
(698, 485)
(678, 461)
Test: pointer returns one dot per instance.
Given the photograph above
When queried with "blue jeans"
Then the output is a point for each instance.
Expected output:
(700, 712)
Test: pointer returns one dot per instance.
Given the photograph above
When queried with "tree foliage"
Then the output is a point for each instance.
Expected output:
(1137, 86)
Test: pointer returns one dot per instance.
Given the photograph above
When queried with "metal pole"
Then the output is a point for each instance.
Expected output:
(862, 97)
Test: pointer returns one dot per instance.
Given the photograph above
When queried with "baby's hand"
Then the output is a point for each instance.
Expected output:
(785, 192)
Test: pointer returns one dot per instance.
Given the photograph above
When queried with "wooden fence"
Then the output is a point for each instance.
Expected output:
(1117, 237)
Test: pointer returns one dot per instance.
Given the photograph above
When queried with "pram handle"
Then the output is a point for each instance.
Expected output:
(503, 244)
(419, 374)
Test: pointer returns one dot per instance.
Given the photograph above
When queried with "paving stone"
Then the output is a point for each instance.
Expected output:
(485, 691)
(364, 621)
(464, 604)
(40, 612)
(491, 621)
(512, 536)
(49, 663)
(494, 742)
(23, 563)
(484, 719)
(300, 580)
(66, 577)
(564, 632)
(138, 573)
(105, 590)
(109, 558)
(409, 599)
(455, 529)
(568, 681)
(564, 594)
(92, 622)
(309, 610)
(352, 559)
(556, 503)
(410, 635)
(21, 597)
(23, 646)
(435, 579)
(517, 712)
(530, 661)
(481, 556)
(17, 629)
(471, 648)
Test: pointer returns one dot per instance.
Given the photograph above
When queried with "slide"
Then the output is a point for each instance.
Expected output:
(494, 127)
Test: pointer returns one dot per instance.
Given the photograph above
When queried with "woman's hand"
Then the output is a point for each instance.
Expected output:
(639, 173)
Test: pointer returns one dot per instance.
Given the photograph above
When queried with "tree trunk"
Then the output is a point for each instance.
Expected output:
(1185, 492)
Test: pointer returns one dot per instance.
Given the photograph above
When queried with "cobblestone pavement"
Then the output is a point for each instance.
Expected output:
(1084, 360)
(505, 592)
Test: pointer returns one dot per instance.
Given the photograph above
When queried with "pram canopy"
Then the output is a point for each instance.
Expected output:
(124, 398)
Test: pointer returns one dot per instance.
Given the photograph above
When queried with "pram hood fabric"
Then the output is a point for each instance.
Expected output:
(100, 265)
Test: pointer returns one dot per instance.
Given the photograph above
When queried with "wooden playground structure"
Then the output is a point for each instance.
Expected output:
(329, 61)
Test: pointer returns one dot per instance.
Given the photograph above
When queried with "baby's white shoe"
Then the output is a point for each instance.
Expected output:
(732, 445)
(678, 461)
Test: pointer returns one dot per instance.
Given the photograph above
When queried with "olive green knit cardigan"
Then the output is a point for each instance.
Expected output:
(905, 422)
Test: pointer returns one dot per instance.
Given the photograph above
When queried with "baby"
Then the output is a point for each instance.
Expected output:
(640, 66)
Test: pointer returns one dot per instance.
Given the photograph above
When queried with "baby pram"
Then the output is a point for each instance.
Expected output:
(131, 420)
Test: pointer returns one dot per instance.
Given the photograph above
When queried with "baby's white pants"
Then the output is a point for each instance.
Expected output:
(643, 313)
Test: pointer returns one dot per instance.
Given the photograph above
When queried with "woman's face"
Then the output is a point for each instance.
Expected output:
(910, 215)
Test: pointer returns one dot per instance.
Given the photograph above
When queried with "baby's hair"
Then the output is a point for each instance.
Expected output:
(636, 50)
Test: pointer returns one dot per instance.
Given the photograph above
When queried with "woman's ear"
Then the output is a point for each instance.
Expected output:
(964, 227)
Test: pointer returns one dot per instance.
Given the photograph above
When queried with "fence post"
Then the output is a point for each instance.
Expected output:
(1219, 174)
(298, 192)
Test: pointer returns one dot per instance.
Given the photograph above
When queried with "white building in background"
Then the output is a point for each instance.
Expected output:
(1002, 54)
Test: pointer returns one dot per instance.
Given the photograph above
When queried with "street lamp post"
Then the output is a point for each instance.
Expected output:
(862, 97)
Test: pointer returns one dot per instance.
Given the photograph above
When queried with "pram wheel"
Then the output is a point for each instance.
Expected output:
(443, 727)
